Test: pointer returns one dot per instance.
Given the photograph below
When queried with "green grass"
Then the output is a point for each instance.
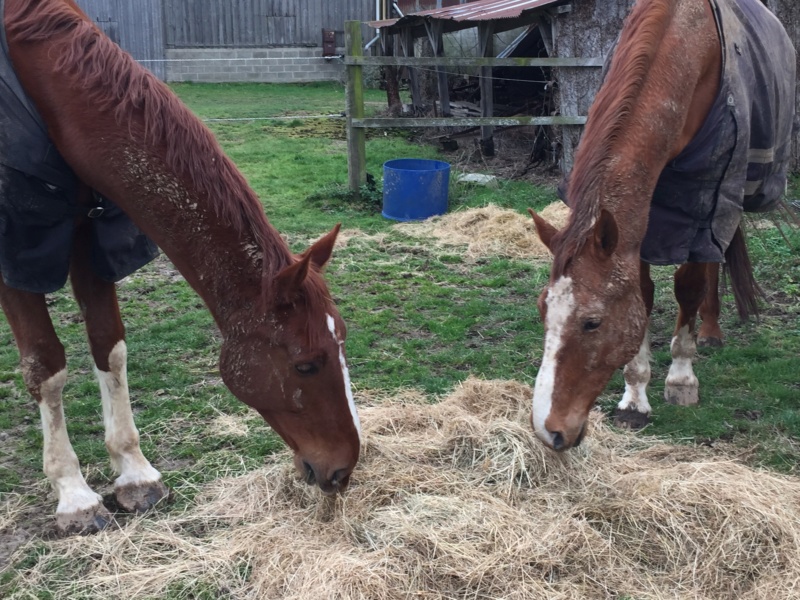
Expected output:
(246, 100)
(416, 317)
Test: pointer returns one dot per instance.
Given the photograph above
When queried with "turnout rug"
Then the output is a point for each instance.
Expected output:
(738, 160)
(38, 203)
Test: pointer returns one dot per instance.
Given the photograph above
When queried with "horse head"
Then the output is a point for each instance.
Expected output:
(594, 319)
(288, 363)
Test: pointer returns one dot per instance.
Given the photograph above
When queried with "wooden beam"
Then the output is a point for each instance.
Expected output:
(381, 122)
(474, 61)
(356, 144)
(416, 24)
(407, 42)
(546, 29)
(486, 41)
(435, 36)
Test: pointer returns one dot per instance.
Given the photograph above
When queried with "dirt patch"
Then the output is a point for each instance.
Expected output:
(490, 231)
(21, 522)
(329, 128)
(514, 157)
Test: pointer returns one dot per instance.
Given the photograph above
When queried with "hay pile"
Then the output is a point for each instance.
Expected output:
(457, 500)
(490, 231)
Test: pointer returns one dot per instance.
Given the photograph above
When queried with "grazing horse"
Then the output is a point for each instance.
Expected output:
(127, 137)
(692, 125)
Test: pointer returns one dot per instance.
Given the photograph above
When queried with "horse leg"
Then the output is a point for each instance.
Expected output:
(681, 386)
(633, 411)
(710, 333)
(138, 486)
(44, 369)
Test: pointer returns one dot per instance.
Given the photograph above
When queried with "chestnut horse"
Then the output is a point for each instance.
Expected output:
(668, 91)
(127, 136)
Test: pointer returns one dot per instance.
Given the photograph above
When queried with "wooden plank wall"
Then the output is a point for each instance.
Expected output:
(136, 26)
(259, 23)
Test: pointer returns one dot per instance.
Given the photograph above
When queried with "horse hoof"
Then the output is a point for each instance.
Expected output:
(710, 342)
(83, 522)
(138, 498)
(682, 395)
(630, 419)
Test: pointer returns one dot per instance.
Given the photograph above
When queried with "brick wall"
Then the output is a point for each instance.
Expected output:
(273, 65)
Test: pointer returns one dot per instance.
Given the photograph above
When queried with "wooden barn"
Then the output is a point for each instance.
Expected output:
(571, 31)
(231, 40)
(282, 40)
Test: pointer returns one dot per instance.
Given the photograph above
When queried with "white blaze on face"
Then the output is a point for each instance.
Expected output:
(682, 348)
(560, 305)
(346, 375)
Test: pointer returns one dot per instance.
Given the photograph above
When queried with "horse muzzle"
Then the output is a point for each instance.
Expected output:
(331, 481)
(561, 439)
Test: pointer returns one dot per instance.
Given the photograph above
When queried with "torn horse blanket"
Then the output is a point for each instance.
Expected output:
(38, 204)
(739, 158)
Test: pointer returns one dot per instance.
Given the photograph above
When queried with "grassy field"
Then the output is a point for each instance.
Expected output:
(417, 318)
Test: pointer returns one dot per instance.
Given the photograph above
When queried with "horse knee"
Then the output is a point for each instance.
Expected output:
(40, 366)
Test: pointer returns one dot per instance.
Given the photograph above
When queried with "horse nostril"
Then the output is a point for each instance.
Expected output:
(558, 440)
(341, 478)
(310, 476)
(581, 435)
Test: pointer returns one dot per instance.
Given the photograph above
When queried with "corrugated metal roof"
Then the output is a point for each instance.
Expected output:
(482, 10)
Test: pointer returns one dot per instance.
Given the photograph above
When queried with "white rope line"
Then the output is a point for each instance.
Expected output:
(294, 118)
(328, 58)
(233, 59)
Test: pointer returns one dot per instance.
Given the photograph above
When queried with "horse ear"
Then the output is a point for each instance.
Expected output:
(543, 229)
(606, 233)
(288, 281)
(321, 250)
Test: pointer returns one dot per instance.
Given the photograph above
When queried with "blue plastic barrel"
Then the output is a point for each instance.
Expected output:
(415, 188)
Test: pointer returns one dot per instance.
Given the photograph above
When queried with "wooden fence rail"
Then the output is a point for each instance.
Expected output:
(355, 61)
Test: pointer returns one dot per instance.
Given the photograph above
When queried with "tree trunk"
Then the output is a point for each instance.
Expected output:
(390, 78)
(427, 75)
(788, 11)
(588, 31)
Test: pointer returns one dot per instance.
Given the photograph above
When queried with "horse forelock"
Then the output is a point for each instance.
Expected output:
(313, 299)
(114, 82)
(608, 118)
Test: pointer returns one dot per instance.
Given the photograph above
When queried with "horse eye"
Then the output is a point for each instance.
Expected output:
(591, 324)
(306, 368)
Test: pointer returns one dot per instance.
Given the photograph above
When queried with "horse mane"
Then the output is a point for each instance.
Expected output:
(608, 117)
(114, 82)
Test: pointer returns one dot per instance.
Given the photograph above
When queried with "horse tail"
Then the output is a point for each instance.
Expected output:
(746, 291)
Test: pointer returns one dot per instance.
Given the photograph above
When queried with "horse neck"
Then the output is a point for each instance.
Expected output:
(229, 265)
(661, 84)
(177, 186)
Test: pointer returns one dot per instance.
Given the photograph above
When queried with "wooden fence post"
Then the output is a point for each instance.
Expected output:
(434, 30)
(356, 147)
(486, 40)
(407, 43)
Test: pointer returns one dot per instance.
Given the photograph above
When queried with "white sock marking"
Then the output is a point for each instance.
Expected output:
(682, 348)
(60, 461)
(346, 374)
(122, 437)
(560, 305)
(637, 376)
